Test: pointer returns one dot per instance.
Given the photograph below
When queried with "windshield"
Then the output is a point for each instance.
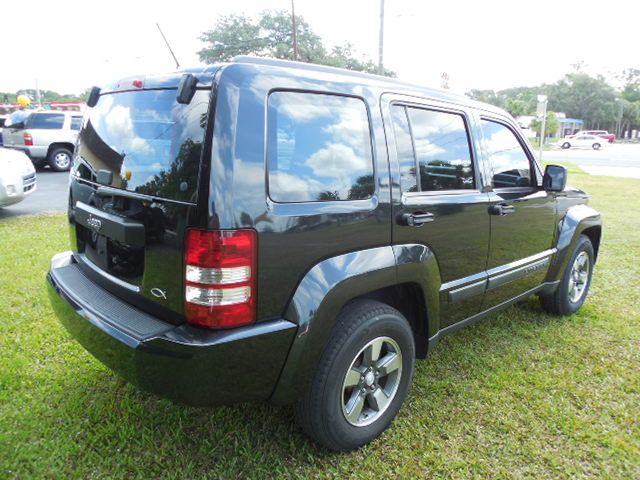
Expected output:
(16, 117)
(150, 143)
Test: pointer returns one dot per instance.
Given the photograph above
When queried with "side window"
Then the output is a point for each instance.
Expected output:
(436, 145)
(49, 121)
(319, 148)
(510, 166)
(442, 148)
(404, 149)
(76, 123)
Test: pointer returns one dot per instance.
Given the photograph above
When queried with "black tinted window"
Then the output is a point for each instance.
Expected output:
(510, 166)
(50, 121)
(76, 123)
(319, 148)
(404, 149)
(151, 143)
(442, 148)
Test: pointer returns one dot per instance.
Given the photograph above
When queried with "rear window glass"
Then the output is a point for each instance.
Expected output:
(319, 148)
(16, 117)
(47, 121)
(150, 143)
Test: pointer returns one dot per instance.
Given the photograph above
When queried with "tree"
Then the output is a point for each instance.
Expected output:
(271, 36)
(582, 96)
(517, 107)
(552, 125)
(631, 89)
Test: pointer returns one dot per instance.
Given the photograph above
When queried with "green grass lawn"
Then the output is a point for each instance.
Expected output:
(521, 394)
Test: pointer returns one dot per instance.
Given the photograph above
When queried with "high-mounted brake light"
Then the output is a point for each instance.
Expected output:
(28, 139)
(137, 83)
(220, 277)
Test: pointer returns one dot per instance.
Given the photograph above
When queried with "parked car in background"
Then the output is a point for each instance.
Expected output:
(46, 137)
(17, 177)
(582, 141)
(610, 137)
(3, 118)
(273, 230)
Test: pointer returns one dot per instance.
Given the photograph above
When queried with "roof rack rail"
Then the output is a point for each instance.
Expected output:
(304, 66)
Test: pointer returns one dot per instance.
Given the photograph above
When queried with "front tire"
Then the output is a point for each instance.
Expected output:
(596, 146)
(362, 379)
(575, 283)
(566, 145)
(59, 159)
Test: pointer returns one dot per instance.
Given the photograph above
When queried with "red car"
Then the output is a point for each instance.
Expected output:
(611, 137)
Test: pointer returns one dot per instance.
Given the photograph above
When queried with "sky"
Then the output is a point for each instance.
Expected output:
(68, 45)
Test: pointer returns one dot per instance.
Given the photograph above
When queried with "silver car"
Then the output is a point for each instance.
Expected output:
(47, 137)
(17, 177)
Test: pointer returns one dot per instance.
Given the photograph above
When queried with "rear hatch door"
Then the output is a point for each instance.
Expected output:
(13, 131)
(134, 190)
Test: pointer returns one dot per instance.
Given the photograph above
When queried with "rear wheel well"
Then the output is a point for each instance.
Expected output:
(594, 234)
(53, 146)
(407, 298)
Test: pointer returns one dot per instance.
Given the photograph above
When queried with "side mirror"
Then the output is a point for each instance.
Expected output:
(555, 178)
(94, 96)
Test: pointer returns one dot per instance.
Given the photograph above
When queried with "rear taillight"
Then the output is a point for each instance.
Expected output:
(28, 140)
(220, 277)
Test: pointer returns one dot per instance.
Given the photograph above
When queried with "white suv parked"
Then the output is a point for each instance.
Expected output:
(46, 137)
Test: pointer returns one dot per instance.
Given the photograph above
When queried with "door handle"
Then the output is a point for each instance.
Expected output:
(501, 209)
(417, 219)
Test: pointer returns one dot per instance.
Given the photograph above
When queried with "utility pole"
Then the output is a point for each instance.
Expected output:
(38, 96)
(542, 115)
(619, 129)
(381, 39)
(294, 32)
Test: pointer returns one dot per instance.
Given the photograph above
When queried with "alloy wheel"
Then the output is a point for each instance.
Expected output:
(579, 277)
(372, 381)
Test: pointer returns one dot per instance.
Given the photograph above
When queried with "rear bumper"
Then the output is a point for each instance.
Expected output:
(186, 364)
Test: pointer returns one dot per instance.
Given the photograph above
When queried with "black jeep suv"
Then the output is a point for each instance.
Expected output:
(269, 230)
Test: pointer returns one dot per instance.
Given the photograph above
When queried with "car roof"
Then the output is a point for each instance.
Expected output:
(311, 70)
(206, 75)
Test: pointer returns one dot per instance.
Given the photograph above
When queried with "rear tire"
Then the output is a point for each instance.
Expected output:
(566, 145)
(362, 378)
(59, 159)
(575, 282)
(39, 163)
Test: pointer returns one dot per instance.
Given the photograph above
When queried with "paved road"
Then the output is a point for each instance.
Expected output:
(51, 196)
(620, 160)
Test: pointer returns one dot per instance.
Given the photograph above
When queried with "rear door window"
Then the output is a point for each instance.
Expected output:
(76, 123)
(46, 121)
(433, 150)
(319, 148)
